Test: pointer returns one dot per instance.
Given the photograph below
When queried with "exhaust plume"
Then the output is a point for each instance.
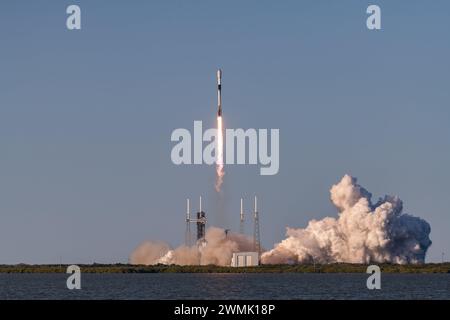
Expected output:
(219, 162)
(362, 233)
(149, 251)
(218, 250)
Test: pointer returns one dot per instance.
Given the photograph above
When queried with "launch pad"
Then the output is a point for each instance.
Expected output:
(240, 259)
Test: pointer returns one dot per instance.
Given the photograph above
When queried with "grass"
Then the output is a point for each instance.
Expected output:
(296, 268)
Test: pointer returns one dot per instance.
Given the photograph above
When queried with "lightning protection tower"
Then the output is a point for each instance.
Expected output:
(241, 225)
(256, 237)
(187, 239)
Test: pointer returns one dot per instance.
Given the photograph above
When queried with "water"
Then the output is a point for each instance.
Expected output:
(225, 286)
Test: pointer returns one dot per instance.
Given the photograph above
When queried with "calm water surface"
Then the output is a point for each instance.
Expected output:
(225, 286)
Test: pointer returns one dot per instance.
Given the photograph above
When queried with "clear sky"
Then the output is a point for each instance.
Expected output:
(86, 116)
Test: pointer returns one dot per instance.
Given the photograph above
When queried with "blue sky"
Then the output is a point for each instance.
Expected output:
(86, 116)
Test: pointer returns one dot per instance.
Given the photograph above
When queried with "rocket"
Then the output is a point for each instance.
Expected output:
(219, 92)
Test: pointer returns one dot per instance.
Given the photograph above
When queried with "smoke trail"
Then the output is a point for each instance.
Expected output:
(218, 250)
(219, 162)
(362, 233)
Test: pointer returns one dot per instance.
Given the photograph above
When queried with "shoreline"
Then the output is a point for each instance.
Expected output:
(297, 268)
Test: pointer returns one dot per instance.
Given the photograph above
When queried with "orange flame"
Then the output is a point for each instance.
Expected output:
(219, 161)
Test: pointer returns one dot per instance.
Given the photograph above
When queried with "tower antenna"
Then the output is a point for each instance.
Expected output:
(241, 225)
(256, 236)
(188, 224)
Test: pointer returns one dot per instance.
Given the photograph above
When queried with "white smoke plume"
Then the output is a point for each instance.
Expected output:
(218, 250)
(362, 233)
(149, 251)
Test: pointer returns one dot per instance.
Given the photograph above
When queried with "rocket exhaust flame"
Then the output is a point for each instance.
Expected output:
(219, 161)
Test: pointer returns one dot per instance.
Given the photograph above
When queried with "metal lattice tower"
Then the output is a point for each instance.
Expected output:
(256, 238)
(187, 239)
(201, 223)
(241, 225)
(199, 220)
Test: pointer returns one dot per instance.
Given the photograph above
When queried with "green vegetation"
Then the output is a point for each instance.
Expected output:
(299, 268)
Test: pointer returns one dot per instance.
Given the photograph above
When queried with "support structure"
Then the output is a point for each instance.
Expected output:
(241, 225)
(187, 239)
(256, 238)
(200, 221)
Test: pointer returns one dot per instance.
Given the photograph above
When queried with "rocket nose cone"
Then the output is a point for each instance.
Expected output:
(219, 74)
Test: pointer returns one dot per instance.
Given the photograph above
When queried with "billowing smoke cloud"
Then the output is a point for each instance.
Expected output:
(218, 250)
(148, 252)
(363, 232)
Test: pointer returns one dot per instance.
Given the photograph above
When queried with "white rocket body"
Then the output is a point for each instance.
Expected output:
(219, 92)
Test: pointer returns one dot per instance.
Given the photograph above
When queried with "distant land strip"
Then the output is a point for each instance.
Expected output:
(295, 268)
